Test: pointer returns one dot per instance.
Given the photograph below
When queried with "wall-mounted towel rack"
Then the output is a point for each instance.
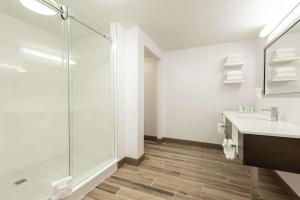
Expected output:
(233, 72)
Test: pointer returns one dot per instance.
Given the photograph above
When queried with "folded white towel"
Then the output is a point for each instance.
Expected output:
(285, 50)
(283, 69)
(234, 63)
(284, 79)
(285, 75)
(236, 72)
(231, 78)
(285, 55)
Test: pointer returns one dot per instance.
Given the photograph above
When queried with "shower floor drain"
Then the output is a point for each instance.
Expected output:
(19, 182)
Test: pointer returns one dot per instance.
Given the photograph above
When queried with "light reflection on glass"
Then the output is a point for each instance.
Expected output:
(45, 56)
(12, 67)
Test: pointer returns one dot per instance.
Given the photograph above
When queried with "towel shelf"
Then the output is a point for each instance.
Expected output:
(237, 64)
(233, 72)
(283, 79)
(285, 59)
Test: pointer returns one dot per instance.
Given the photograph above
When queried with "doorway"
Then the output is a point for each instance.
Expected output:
(150, 95)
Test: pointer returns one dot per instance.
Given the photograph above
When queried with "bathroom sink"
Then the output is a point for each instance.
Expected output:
(254, 116)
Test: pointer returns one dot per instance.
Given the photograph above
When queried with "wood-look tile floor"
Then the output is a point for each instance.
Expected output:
(180, 172)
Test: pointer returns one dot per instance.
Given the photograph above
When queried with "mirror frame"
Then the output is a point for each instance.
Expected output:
(265, 56)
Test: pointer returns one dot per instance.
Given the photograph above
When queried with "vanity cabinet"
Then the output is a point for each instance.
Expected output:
(263, 144)
(277, 153)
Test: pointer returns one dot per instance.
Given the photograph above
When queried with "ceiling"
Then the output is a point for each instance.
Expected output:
(14, 9)
(179, 24)
(52, 24)
(171, 24)
(295, 28)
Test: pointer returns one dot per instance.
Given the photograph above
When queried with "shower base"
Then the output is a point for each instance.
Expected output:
(34, 182)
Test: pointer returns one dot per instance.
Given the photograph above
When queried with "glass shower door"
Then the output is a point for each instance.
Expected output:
(34, 135)
(91, 101)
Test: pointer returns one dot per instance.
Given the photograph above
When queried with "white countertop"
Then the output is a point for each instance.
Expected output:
(258, 124)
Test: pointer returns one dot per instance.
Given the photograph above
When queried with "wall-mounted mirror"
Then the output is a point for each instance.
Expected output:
(282, 63)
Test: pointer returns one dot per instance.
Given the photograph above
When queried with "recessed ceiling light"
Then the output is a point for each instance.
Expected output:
(38, 7)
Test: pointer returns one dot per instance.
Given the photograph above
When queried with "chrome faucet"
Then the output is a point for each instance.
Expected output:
(274, 113)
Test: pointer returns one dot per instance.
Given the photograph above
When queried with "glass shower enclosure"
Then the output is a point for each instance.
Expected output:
(56, 101)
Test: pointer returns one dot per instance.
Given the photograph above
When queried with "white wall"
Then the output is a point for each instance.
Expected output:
(144, 42)
(151, 96)
(135, 42)
(192, 93)
(131, 93)
(118, 35)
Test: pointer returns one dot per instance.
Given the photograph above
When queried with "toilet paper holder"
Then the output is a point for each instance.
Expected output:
(223, 125)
